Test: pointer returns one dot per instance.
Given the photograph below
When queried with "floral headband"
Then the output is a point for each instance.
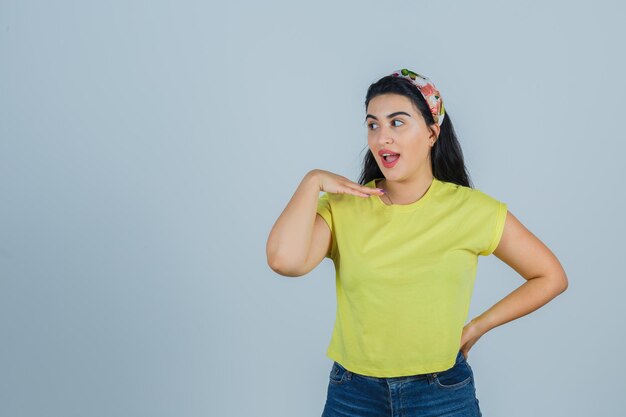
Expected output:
(428, 90)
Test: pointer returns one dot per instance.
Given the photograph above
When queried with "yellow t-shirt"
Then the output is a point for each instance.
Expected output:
(405, 275)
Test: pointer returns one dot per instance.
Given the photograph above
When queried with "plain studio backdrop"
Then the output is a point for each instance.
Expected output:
(147, 148)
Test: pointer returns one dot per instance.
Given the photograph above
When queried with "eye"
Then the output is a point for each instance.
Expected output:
(371, 125)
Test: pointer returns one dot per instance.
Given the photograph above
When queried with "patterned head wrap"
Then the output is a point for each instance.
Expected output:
(428, 90)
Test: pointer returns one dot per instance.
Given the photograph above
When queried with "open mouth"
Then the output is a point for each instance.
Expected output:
(389, 161)
(391, 158)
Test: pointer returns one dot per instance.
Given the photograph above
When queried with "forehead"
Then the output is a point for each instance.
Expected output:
(388, 103)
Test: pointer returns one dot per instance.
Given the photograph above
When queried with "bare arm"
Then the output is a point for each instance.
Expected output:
(535, 262)
(290, 239)
(301, 238)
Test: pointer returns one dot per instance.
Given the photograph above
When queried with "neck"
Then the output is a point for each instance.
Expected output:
(406, 192)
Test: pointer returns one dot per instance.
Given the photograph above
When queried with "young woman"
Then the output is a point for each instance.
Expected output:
(405, 241)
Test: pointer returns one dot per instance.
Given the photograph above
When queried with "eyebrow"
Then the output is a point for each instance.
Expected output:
(389, 116)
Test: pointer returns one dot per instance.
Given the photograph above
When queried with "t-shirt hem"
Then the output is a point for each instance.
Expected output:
(386, 373)
(326, 218)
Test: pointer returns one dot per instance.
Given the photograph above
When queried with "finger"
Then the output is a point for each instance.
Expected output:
(348, 190)
(365, 190)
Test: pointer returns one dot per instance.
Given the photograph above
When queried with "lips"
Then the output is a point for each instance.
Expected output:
(391, 160)
(385, 150)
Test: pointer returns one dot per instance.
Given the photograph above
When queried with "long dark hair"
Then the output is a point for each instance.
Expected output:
(446, 155)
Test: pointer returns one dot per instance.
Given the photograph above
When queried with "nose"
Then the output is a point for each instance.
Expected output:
(384, 135)
(384, 140)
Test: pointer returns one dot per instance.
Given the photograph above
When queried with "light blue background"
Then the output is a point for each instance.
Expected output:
(147, 148)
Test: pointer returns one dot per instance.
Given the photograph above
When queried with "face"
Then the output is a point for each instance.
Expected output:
(394, 123)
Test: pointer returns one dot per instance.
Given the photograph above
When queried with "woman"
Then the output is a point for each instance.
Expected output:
(405, 242)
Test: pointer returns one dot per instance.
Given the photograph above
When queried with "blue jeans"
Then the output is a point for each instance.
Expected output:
(449, 393)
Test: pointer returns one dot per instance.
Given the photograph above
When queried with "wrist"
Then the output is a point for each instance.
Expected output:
(481, 324)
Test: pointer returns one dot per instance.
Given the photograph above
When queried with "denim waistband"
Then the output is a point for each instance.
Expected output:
(459, 358)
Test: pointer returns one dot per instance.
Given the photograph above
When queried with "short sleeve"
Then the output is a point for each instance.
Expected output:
(324, 210)
(491, 214)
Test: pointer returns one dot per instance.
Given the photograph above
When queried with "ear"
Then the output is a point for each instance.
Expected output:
(435, 129)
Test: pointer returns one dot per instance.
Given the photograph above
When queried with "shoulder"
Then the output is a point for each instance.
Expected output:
(472, 197)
